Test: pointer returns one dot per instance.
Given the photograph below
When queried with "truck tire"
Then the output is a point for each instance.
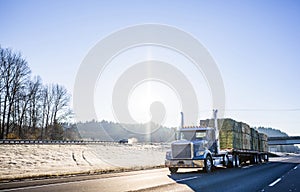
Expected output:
(208, 164)
(226, 161)
(254, 159)
(266, 158)
(260, 159)
(237, 160)
(232, 162)
(173, 169)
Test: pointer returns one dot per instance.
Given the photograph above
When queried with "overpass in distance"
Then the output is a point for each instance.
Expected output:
(287, 140)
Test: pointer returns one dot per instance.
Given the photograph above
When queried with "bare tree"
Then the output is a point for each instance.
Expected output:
(61, 101)
(14, 72)
(28, 109)
(28, 106)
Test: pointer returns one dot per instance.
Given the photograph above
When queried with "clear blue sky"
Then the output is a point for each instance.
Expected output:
(256, 45)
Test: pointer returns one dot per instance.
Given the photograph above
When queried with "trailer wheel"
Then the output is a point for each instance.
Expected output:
(254, 159)
(173, 169)
(232, 163)
(266, 158)
(237, 160)
(208, 164)
(260, 159)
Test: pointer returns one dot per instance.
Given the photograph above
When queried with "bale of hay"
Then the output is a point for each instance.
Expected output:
(263, 142)
(230, 139)
(237, 135)
(230, 134)
(254, 140)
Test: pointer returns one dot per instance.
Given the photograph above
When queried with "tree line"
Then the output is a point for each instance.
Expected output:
(28, 108)
(112, 131)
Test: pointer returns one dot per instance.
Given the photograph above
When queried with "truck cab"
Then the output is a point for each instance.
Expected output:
(196, 147)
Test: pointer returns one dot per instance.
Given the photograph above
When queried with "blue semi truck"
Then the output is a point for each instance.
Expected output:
(205, 146)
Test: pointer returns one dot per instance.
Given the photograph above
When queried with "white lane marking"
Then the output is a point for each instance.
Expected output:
(246, 167)
(50, 185)
(296, 167)
(32, 187)
(186, 179)
(43, 185)
(275, 182)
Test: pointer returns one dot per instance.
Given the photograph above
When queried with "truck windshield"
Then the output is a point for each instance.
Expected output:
(192, 135)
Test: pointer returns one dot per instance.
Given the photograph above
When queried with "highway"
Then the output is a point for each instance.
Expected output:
(280, 174)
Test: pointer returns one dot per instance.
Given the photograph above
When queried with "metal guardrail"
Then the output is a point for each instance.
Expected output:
(61, 142)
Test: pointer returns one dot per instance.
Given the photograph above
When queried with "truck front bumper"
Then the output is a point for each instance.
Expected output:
(184, 163)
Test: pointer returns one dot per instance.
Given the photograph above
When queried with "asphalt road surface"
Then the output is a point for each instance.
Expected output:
(280, 174)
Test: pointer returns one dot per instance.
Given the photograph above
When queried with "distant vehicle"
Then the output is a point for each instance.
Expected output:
(205, 147)
(123, 141)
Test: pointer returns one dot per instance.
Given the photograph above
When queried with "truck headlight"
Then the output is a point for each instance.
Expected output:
(169, 155)
(199, 153)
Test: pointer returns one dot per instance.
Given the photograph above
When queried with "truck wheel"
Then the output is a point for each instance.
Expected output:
(260, 158)
(232, 163)
(254, 159)
(208, 164)
(225, 161)
(173, 169)
(237, 160)
(266, 158)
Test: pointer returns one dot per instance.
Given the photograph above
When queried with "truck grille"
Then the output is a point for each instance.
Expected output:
(181, 151)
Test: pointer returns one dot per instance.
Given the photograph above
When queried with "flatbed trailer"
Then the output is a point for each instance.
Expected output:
(243, 156)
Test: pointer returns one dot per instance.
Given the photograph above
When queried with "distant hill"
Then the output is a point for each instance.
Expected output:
(271, 132)
(110, 131)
